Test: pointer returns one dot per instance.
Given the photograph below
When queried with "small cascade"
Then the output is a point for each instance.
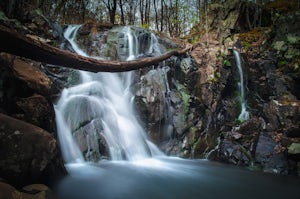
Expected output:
(101, 108)
(132, 44)
(70, 35)
(244, 115)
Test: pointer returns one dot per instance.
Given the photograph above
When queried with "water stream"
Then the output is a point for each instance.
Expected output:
(244, 115)
(103, 104)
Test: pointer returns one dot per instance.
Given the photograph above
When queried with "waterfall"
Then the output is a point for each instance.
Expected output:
(244, 115)
(101, 108)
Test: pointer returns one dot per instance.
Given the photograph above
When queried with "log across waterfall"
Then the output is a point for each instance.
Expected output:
(18, 44)
(101, 106)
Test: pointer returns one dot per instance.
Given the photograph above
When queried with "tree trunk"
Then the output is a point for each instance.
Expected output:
(156, 17)
(122, 12)
(142, 11)
(17, 44)
(162, 16)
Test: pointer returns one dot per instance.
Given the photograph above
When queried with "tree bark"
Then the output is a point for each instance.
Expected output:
(17, 44)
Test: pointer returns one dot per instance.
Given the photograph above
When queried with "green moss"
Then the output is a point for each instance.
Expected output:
(282, 63)
(185, 96)
(294, 148)
(226, 63)
(254, 38)
(292, 39)
(216, 77)
(194, 134)
(146, 26)
(73, 78)
(238, 122)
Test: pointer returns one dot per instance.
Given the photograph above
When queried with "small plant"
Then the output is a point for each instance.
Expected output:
(226, 62)
(146, 26)
(239, 122)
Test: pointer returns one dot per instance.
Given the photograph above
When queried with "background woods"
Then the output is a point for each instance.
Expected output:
(175, 17)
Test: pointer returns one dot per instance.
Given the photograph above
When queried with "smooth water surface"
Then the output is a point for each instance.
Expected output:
(173, 178)
(105, 100)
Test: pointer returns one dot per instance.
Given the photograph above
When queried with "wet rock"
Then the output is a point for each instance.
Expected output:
(232, 152)
(114, 43)
(28, 153)
(172, 147)
(35, 191)
(281, 115)
(270, 155)
(250, 127)
(45, 28)
(8, 192)
(294, 148)
(28, 73)
(25, 92)
(37, 110)
(151, 98)
(91, 142)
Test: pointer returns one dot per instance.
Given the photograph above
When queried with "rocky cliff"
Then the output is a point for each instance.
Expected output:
(268, 41)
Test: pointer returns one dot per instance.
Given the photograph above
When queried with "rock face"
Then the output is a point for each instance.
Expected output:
(29, 150)
(25, 92)
(34, 191)
(208, 88)
(28, 153)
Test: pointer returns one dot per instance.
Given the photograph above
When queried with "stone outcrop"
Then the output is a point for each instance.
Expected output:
(25, 92)
(29, 150)
(29, 154)
(34, 191)
(266, 141)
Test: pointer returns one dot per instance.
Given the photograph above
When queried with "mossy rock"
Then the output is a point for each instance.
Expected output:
(294, 148)
(254, 38)
(283, 5)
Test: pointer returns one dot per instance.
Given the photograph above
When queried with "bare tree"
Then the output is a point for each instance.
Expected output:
(111, 5)
(122, 12)
(156, 15)
(142, 7)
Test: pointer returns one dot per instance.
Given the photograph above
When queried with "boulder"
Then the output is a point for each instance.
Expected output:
(37, 110)
(28, 153)
(32, 76)
(25, 92)
(270, 154)
(34, 191)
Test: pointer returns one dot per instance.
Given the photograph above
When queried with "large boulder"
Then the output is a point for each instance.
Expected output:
(34, 191)
(28, 153)
(25, 92)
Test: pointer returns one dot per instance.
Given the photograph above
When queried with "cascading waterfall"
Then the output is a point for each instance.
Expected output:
(101, 106)
(244, 115)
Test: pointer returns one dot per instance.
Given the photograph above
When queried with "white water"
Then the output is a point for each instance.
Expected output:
(244, 115)
(103, 101)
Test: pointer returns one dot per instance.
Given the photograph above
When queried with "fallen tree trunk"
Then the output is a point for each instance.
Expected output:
(18, 44)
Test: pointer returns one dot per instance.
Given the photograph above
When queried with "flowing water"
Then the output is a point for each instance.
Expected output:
(104, 103)
(244, 115)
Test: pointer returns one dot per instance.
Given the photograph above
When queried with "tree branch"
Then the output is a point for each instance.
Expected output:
(18, 44)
